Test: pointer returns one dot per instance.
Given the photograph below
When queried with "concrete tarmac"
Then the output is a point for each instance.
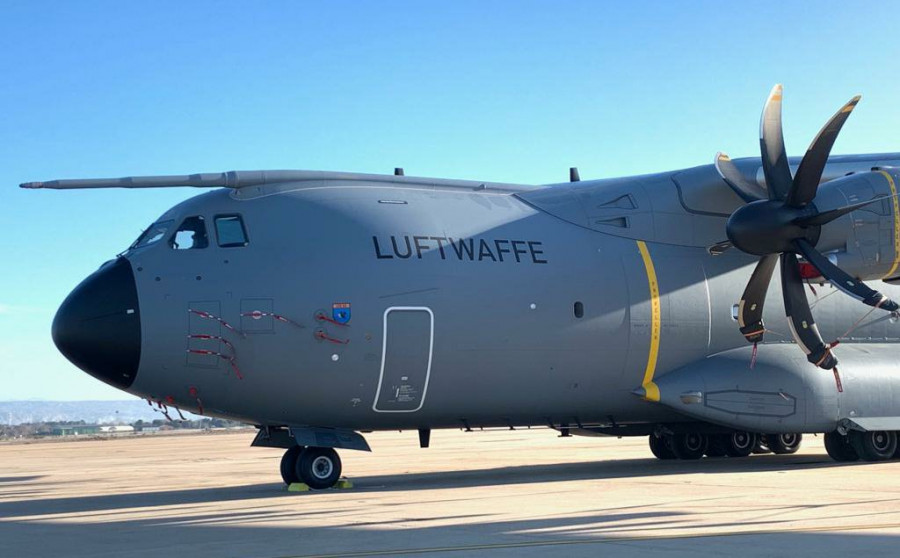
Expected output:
(496, 494)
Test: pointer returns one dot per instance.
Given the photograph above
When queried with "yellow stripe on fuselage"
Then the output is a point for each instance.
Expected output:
(893, 186)
(651, 391)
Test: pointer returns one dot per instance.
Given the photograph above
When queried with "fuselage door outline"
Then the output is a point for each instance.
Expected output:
(384, 347)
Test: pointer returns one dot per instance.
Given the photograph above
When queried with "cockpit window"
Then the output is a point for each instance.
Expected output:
(152, 235)
(230, 231)
(191, 235)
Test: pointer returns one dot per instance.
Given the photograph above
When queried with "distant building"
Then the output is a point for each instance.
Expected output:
(116, 429)
(74, 430)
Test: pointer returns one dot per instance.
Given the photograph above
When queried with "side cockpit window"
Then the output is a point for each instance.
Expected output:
(230, 231)
(191, 235)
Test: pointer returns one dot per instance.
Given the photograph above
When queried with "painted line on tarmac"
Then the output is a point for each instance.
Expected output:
(607, 540)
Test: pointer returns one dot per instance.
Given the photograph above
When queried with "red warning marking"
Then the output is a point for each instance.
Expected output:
(837, 380)
(259, 314)
(195, 393)
(203, 336)
(323, 318)
(808, 271)
(237, 370)
(321, 335)
(164, 410)
(231, 359)
(208, 316)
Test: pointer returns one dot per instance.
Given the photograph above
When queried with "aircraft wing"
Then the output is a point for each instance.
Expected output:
(244, 179)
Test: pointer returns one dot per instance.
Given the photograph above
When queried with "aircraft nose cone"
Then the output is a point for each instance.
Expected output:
(98, 326)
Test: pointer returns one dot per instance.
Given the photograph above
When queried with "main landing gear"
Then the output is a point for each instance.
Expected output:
(783, 444)
(694, 445)
(877, 445)
(855, 445)
(317, 467)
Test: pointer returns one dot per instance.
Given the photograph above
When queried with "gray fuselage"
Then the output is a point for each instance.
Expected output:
(467, 306)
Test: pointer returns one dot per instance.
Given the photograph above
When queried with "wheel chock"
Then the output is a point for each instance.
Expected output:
(303, 487)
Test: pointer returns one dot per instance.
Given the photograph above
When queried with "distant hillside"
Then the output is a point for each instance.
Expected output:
(98, 412)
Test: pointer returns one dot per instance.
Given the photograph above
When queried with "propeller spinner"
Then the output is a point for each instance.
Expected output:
(781, 222)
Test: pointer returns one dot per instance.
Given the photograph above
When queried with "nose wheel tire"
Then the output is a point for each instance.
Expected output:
(783, 444)
(289, 465)
(877, 445)
(319, 467)
(839, 447)
(691, 445)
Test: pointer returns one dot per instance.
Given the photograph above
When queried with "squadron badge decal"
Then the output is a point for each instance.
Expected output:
(340, 312)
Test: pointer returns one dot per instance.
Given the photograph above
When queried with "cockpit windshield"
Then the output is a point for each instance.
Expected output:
(152, 235)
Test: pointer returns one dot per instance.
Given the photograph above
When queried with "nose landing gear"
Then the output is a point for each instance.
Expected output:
(289, 465)
(318, 468)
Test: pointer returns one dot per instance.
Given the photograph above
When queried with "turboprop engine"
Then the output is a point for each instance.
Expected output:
(787, 219)
(864, 243)
(847, 231)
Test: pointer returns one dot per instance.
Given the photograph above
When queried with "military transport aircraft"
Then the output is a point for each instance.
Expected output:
(319, 305)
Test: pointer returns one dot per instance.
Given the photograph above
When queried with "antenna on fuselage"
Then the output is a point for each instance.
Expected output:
(573, 174)
(398, 171)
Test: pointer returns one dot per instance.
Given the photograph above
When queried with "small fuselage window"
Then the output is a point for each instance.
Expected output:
(230, 231)
(152, 235)
(191, 235)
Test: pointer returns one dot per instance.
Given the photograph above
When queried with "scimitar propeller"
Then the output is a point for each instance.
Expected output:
(780, 222)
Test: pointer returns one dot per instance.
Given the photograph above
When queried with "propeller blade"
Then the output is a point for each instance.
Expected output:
(806, 182)
(750, 308)
(842, 280)
(747, 190)
(803, 327)
(771, 145)
(828, 216)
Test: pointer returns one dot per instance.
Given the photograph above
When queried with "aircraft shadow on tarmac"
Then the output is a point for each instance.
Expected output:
(28, 528)
(589, 470)
(239, 533)
(4, 480)
(520, 474)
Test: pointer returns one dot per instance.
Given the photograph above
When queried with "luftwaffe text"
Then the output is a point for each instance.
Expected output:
(462, 249)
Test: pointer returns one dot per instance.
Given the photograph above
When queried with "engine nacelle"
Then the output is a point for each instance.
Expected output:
(783, 393)
(864, 242)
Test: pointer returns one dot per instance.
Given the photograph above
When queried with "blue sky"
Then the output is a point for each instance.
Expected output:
(506, 91)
